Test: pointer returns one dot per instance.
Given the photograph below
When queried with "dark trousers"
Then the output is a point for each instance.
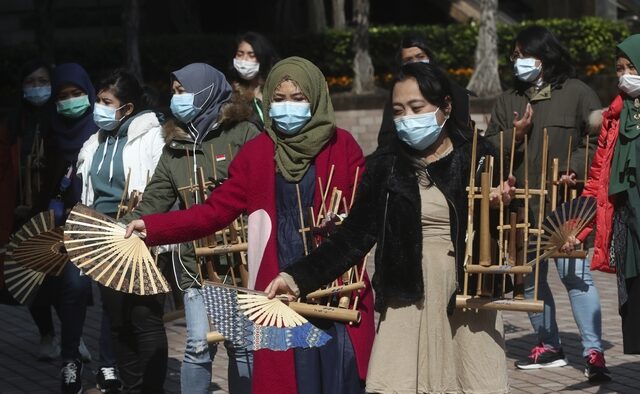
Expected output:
(140, 339)
(69, 294)
(41, 315)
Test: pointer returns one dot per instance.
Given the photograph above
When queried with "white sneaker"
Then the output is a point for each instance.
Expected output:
(84, 352)
(49, 348)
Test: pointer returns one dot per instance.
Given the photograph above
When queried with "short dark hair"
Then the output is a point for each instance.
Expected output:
(126, 88)
(264, 50)
(539, 42)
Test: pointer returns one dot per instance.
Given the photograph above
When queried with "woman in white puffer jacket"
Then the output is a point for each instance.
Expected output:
(129, 144)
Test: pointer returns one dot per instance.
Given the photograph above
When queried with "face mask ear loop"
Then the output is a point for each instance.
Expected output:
(205, 100)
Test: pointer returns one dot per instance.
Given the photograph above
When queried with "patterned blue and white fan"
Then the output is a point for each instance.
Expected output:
(250, 320)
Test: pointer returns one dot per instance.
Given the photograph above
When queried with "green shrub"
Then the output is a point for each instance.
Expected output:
(591, 42)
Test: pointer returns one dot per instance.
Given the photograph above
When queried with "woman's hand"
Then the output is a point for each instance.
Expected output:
(279, 285)
(523, 125)
(136, 225)
(568, 179)
(508, 193)
(570, 245)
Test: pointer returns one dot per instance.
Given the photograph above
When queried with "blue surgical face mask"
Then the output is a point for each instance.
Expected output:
(526, 70)
(37, 95)
(183, 107)
(290, 116)
(74, 107)
(419, 131)
(105, 117)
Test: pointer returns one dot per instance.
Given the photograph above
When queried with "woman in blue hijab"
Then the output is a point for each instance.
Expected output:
(72, 123)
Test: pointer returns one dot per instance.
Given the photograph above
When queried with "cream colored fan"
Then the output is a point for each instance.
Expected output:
(268, 312)
(34, 251)
(96, 244)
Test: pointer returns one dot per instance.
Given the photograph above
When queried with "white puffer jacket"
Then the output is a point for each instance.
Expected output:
(140, 154)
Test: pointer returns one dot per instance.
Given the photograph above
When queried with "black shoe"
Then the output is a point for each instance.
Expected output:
(543, 357)
(107, 380)
(71, 377)
(596, 370)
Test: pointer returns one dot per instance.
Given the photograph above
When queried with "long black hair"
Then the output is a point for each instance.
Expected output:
(540, 43)
(126, 88)
(264, 50)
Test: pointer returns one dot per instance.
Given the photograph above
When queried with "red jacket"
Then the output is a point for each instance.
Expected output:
(250, 188)
(598, 186)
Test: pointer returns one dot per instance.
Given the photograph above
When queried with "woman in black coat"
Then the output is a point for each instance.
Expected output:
(412, 203)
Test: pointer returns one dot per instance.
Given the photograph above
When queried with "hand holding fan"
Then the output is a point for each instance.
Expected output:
(567, 221)
(250, 320)
(96, 244)
(34, 251)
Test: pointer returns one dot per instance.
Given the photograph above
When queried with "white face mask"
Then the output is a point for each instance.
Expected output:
(526, 70)
(247, 69)
(630, 84)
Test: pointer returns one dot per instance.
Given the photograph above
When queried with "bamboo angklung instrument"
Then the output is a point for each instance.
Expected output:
(513, 247)
(343, 289)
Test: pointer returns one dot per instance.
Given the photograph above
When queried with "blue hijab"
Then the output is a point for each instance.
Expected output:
(68, 134)
(214, 92)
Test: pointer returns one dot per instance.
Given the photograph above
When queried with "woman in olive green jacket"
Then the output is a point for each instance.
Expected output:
(211, 128)
(547, 97)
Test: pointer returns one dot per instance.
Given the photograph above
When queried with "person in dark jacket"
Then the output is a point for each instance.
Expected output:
(72, 124)
(412, 203)
(547, 96)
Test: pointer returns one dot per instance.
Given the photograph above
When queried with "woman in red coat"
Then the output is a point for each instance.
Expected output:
(300, 146)
(612, 181)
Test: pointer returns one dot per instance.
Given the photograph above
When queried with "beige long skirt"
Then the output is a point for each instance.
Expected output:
(418, 348)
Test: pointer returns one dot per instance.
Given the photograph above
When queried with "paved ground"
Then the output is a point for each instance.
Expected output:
(21, 373)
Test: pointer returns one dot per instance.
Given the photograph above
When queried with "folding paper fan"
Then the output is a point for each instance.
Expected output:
(250, 320)
(568, 220)
(34, 251)
(96, 244)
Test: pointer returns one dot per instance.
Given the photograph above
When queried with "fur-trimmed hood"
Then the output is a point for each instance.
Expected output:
(233, 112)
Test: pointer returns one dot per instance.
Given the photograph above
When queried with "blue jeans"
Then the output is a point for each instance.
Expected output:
(575, 274)
(198, 354)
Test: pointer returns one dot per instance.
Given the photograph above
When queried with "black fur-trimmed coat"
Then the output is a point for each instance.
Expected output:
(387, 211)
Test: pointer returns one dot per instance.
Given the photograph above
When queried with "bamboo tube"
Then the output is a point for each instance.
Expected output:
(218, 250)
(326, 312)
(555, 172)
(214, 337)
(543, 181)
(302, 230)
(513, 151)
(355, 187)
(566, 186)
(471, 203)
(499, 304)
(335, 290)
(485, 235)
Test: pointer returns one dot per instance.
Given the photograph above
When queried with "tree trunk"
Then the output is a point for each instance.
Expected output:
(337, 10)
(317, 17)
(363, 79)
(485, 80)
(131, 19)
(45, 30)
